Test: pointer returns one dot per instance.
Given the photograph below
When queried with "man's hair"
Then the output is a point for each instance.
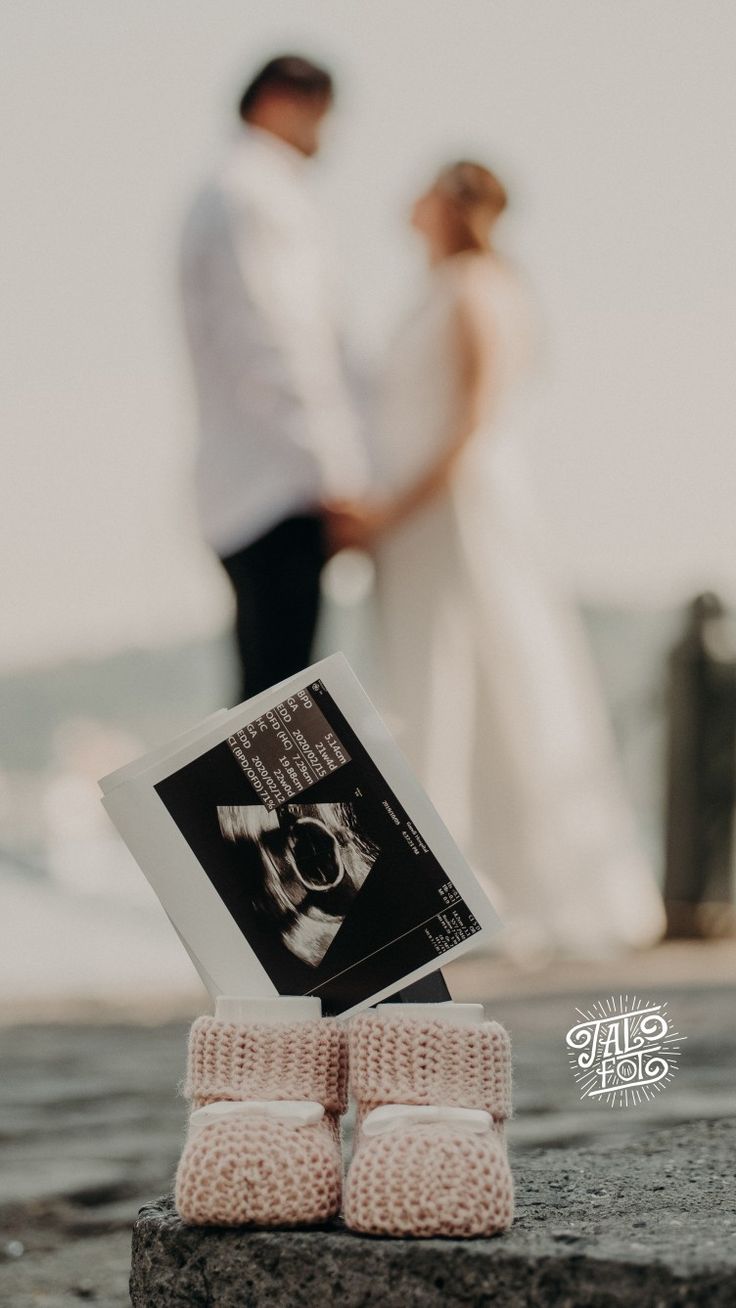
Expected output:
(290, 74)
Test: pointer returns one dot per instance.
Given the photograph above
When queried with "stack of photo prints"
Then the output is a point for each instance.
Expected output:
(294, 850)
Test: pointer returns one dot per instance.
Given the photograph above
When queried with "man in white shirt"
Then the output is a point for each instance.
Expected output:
(278, 435)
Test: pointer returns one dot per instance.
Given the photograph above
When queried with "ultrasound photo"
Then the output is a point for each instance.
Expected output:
(304, 865)
(330, 882)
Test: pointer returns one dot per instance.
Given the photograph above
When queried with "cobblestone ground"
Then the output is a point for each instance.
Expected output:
(90, 1121)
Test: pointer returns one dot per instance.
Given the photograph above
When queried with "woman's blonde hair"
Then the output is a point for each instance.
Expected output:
(478, 198)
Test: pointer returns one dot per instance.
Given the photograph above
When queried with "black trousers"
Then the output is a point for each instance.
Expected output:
(276, 585)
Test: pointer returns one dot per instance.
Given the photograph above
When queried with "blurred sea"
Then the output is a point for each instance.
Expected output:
(80, 929)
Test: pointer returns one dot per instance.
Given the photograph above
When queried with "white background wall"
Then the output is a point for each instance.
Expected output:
(614, 125)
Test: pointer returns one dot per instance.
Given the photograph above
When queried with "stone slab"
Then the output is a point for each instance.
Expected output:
(646, 1224)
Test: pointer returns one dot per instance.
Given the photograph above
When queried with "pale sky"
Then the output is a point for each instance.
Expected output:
(611, 119)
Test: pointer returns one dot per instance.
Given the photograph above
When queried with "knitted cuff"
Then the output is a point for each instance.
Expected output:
(406, 1061)
(290, 1060)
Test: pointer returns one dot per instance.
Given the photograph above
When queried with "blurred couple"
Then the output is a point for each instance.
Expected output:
(485, 671)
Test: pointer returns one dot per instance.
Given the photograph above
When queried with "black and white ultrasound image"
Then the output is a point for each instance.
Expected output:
(307, 864)
(331, 884)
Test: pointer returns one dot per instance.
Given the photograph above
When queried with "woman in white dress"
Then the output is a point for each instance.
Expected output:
(488, 680)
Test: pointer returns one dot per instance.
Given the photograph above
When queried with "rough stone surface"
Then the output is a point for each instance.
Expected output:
(91, 1125)
(653, 1224)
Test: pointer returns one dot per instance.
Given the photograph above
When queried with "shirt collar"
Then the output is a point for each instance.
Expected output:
(275, 146)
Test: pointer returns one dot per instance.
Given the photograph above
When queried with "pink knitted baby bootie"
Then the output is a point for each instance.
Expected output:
(263, 1147)
(430, 1155)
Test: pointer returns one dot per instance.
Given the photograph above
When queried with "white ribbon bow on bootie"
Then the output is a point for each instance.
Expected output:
(401, 1117)
(292, 1112)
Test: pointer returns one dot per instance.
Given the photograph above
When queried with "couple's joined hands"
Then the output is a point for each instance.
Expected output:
(354, 524)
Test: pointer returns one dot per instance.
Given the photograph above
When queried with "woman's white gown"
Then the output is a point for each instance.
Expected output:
(488, 681)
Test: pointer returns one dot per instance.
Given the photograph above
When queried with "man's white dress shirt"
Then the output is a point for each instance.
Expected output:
(276, 423)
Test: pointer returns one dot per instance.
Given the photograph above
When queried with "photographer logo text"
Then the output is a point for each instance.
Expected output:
(623, 1050)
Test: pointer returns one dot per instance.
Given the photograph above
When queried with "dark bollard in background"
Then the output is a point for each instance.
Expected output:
(701, 776)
